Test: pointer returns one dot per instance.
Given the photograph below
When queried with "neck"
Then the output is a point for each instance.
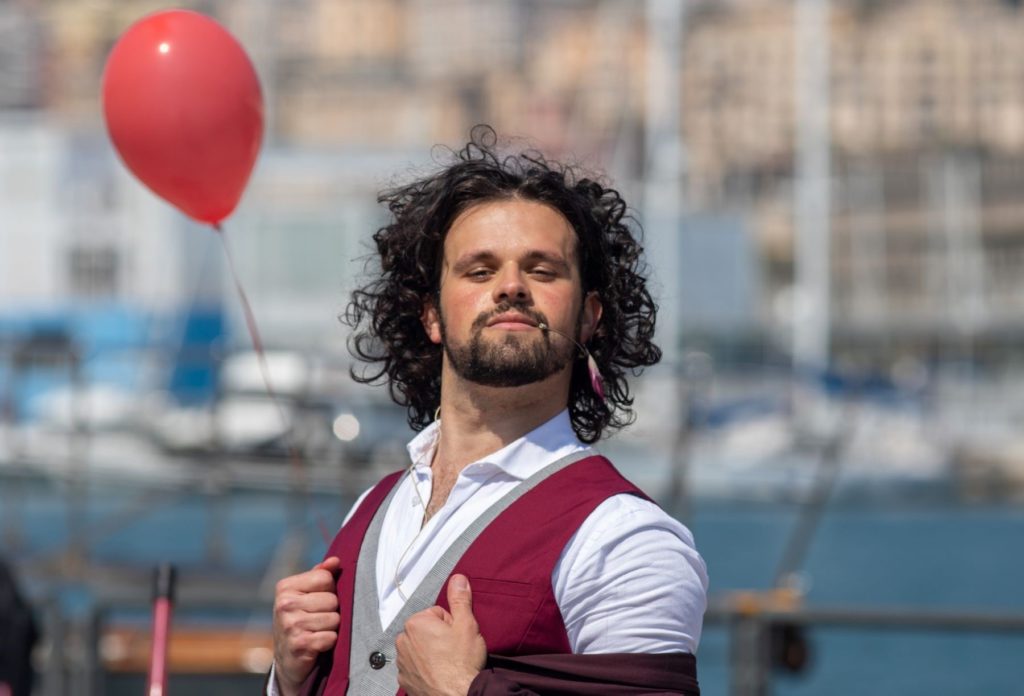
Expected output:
(478, 420)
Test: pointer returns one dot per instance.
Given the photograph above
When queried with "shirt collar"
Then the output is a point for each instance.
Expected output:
(521, 458)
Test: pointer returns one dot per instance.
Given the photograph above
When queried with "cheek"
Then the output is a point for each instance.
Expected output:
(462, 306)
(559, 306)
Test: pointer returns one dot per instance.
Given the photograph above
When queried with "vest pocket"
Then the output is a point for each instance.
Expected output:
(504, 611)
(508, 588)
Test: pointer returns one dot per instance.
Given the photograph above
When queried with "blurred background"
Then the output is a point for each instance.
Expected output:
(831, 197)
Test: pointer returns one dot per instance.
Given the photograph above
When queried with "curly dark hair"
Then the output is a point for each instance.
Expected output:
(385, 313)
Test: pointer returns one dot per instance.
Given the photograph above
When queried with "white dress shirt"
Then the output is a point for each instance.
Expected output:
(629, 580)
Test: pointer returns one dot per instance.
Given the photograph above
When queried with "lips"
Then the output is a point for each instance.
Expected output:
(511, 318)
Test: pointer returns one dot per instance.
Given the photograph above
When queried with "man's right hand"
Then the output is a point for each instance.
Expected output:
(306, 623)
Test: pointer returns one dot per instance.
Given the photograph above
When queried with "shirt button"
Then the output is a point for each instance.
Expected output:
(377, 660)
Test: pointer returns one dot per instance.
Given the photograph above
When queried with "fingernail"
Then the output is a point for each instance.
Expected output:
(459, 582)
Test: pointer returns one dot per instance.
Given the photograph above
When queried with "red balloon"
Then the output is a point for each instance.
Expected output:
(184, 110)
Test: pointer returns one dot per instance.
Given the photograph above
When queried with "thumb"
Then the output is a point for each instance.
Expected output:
(460, 598)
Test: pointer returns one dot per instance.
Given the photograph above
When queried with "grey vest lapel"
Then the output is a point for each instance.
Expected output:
(371, 643)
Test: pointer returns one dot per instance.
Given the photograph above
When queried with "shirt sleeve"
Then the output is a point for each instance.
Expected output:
(631, 581)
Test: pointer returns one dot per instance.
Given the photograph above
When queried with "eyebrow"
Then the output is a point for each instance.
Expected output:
(467, 260)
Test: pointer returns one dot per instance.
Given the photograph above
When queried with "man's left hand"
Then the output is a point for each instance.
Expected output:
(440, 653)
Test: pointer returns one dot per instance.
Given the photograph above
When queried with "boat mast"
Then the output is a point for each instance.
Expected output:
(812, 205)
(664, 162)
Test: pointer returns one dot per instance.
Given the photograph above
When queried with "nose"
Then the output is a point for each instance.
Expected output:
(511, 286)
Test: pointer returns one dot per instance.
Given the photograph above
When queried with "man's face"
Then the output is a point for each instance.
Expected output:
(509, 266)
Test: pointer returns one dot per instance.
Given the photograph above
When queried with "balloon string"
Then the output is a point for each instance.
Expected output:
(250, 322)
(293, 450)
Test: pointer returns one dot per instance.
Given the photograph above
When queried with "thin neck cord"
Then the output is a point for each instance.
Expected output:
(423, 505)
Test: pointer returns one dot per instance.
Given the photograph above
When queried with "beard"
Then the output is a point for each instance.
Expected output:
(516, 359)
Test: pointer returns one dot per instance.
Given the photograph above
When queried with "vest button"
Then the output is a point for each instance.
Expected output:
(377, 660)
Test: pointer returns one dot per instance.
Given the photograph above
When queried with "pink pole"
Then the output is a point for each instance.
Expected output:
(163, 604)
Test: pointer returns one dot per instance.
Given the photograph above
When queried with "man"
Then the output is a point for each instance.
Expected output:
(508, 558)
(18, 636)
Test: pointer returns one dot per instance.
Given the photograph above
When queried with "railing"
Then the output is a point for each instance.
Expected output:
(766, 628)
(220, 637)
(102, 651)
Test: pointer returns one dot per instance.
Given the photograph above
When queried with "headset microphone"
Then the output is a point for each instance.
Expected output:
(596, 380)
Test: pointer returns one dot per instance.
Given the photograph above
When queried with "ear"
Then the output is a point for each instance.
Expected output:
(431, 320)
(592, 309)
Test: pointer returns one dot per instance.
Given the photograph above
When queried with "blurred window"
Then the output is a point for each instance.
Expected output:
(93, 271)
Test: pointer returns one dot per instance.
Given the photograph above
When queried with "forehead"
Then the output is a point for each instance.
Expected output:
(509, 227)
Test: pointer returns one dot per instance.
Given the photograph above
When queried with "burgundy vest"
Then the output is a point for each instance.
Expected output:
(509, 565)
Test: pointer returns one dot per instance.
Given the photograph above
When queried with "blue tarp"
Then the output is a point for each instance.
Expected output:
(115, 343)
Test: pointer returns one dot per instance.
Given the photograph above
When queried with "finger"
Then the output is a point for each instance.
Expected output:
(331, 564)
(322, 580)
(320, 621)
(299, 623)
(312, 643)
(315, 580)
(439, 613)
(318, 601)
(424, 620)
(460, 598)
(293, 602)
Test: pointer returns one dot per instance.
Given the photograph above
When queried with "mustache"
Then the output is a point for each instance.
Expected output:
(536, 316)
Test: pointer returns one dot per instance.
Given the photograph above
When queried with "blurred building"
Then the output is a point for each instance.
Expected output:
(372, 73)
(926, 113)
(905, 75)
(23, 56)
(77, 228)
